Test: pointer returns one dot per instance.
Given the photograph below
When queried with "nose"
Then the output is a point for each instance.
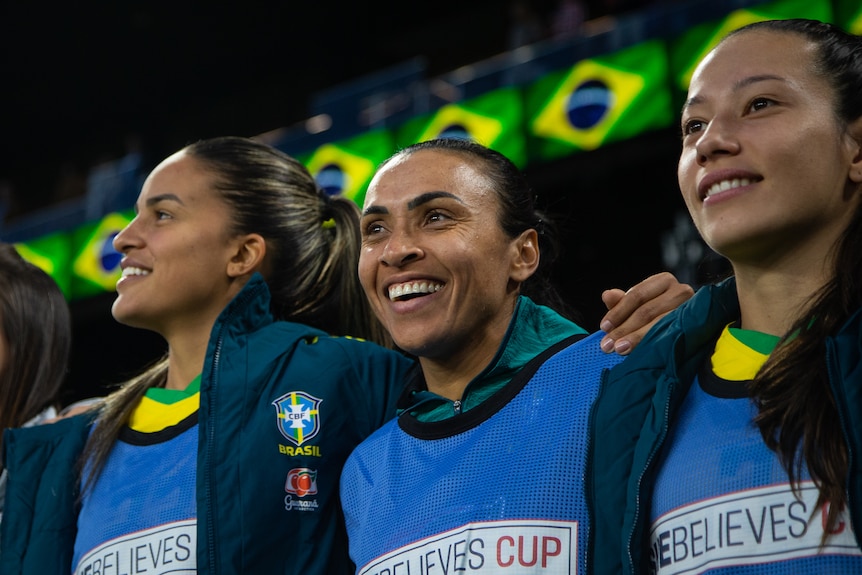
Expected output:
(400, 249)
(127, 238)
(718, 139)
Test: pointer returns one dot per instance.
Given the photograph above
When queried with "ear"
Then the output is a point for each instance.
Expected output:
(248, 255)
(525, 258)
(854, 131)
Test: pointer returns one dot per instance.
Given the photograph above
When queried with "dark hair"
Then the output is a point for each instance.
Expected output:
(517, 212)
(36, 329)
(312, 238)
(310, 268)
(796, 407)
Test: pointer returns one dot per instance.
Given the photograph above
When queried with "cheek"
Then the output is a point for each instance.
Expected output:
(686, 170)
(366, 269)
(687, 181)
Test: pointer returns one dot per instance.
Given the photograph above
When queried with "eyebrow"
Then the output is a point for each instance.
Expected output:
(161, 198)
(414, 203)
(738, 86)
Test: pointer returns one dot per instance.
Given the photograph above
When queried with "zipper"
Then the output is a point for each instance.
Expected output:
(589, 484)
(456, 406)
(209, 487)
(647, 465)
(208, 494)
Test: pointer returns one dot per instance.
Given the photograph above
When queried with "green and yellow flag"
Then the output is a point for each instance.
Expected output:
(345, 168)
(493, 119)
(52, 254)
(689, 49)
(598, 100)
(96, 264)
(848, 15)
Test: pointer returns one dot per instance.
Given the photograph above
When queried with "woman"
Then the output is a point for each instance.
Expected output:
(488, 452)
(730, 438)
(35, 338)
(224, 457)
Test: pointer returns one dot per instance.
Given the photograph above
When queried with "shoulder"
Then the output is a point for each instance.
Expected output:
(584, 352)
(355, 350)
(28, 451)
(368, 453)
(68, 430)
(688, 330)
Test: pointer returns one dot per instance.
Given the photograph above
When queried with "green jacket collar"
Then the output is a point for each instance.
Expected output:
(532, 329)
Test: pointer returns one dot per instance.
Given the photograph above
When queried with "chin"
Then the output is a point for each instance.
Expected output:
(412, 345)
(126, 317)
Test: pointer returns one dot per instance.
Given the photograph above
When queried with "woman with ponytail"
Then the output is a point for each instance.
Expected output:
(224, 456)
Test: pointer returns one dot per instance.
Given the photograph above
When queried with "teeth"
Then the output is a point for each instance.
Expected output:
(135, 272)
(727, 185)
(408, 288)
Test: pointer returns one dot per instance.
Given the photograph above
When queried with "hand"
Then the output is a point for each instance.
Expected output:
(632, 313)
(76, 408)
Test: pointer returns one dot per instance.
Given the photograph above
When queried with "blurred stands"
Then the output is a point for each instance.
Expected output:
(388, 98)
(591, 117)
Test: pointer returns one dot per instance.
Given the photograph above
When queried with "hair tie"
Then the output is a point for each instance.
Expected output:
(328, 224)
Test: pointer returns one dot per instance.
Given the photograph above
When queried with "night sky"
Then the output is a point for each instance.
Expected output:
(81, 77)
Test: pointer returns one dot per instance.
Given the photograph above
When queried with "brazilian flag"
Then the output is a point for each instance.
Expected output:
(848, 14)
(691, 47)
(345, 168)
(598, 100)
(493, 119)
(96, 264)
(52, 254)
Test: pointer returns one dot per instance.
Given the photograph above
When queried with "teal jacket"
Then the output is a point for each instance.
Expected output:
(248, 521)
(639, 400)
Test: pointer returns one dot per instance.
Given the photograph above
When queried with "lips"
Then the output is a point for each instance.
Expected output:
(720, 181)
(135, 271)
(726, 185)
(410, 289)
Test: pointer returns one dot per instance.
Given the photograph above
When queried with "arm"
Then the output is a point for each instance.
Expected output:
(632, 313)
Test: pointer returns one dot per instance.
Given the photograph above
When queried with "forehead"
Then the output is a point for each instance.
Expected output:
(757, 52)
(408, 176)
(183, 176)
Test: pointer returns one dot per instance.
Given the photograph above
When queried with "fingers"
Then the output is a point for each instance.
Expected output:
(612, 297)
(631, 314)
(76, 408)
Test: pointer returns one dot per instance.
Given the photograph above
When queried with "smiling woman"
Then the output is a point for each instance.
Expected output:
(233, 443)
(490, 443)
(747, 400)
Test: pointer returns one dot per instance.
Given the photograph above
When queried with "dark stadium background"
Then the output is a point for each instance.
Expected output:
(80, 77)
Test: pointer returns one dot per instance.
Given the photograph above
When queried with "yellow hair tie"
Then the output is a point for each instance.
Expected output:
(328, 224)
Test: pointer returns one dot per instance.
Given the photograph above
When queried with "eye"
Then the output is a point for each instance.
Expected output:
(435, 216)
(760, 104)
(163, 215)
(372, 229)
(691, 126)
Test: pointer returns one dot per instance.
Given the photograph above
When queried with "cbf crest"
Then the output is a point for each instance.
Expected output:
(298, 416)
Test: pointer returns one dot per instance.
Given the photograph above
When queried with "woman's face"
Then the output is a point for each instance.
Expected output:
(765, 164)
(438, 269)
(176, 251)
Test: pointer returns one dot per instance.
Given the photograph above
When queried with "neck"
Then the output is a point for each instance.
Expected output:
(450, 371)
(448, 379)
(771, 300)
(186, 358)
